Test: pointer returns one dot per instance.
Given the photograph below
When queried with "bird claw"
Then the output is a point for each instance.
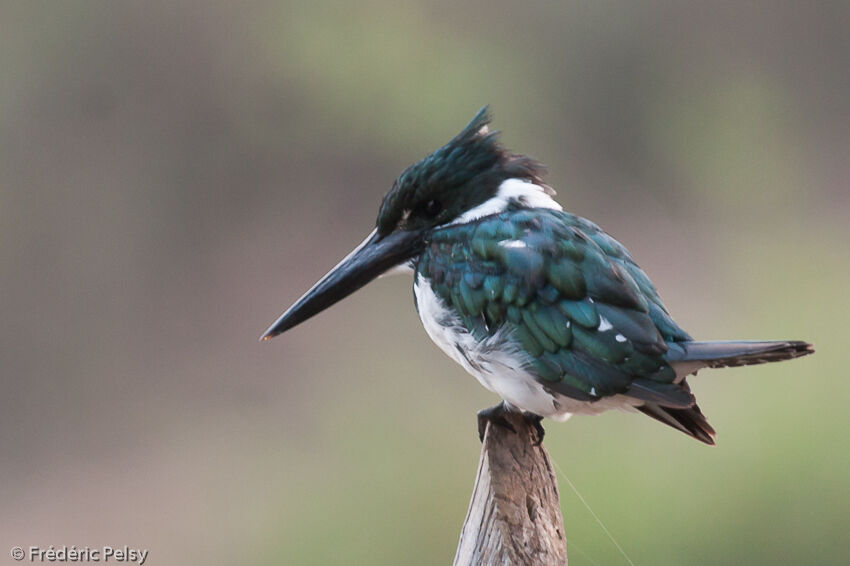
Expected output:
(536, 421)
(496, 415)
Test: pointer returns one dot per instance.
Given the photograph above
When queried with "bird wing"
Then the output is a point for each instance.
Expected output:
(568, 294)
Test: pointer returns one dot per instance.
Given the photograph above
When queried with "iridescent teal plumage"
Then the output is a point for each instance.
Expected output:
(571, 297)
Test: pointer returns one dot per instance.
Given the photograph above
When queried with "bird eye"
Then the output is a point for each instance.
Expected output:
(433, 208)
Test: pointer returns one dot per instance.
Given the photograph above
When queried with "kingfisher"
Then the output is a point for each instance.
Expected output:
(541, 306)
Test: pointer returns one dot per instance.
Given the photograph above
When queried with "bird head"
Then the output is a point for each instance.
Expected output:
(445, 187)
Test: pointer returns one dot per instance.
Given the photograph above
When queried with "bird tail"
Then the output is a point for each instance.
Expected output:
(721, 354)
(687, 357)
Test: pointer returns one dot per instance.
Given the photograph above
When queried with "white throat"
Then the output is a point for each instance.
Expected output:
(512, 192)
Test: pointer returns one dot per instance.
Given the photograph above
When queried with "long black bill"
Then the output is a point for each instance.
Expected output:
(374, 256)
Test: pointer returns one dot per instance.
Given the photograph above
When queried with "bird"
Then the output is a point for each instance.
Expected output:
(542, 307)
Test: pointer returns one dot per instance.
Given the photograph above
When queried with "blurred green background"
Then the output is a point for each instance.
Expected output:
(173, 175)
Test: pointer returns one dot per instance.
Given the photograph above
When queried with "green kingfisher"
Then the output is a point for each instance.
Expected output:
(541, 306)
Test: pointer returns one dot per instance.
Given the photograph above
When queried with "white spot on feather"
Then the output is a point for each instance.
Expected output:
(620, 338)
(604, 324)
(513, 244)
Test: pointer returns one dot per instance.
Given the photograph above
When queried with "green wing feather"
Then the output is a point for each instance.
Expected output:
(569, 294)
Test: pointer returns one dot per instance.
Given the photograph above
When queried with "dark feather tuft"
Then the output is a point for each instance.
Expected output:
(691, 421)
(460, 175)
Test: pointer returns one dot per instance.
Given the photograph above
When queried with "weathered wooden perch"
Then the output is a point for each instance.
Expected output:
(515, 514)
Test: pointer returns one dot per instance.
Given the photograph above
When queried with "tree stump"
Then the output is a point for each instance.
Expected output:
(514, 516)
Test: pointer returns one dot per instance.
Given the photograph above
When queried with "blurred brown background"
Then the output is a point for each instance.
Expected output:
(172, 175)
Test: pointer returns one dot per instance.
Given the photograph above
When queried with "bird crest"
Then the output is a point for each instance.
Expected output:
(460, 175)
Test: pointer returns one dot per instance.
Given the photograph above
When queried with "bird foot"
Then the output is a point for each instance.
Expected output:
(496, 416)
(536, 421)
